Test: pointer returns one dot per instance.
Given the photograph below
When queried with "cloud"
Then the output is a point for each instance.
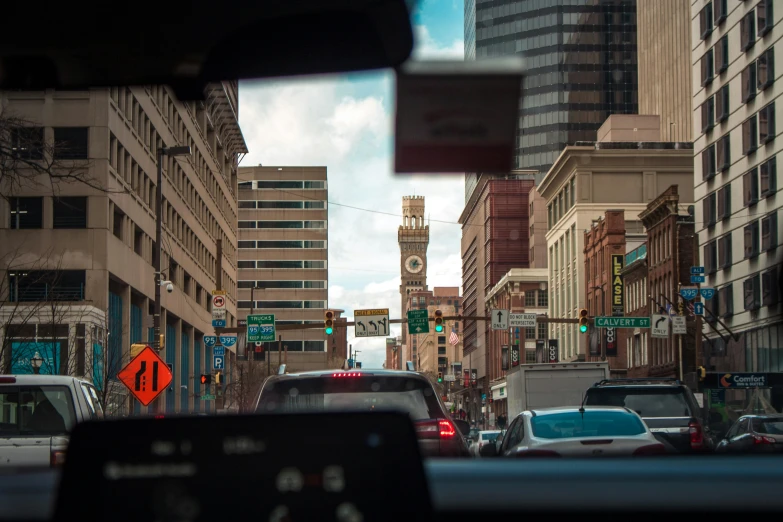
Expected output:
(427, 48)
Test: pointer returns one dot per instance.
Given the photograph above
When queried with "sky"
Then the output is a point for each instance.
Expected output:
(345, 122)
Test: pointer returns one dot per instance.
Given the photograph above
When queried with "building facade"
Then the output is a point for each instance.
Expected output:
(665, 73)
(413, 237)
(434, 352)
(283, 255)
(79, 259)
(637, 304)
(626, 171)
(580, 66)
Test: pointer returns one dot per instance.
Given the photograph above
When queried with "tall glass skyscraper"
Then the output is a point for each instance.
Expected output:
(581, 66)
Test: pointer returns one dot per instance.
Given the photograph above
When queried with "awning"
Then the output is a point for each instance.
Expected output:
(499, 385)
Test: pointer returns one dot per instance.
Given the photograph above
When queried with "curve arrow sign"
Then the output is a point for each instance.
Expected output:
(659, 321)
(375, 326)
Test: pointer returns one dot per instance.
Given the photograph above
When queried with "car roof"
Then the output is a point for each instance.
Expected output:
(27, 380)
(574, 409)
(328, 373)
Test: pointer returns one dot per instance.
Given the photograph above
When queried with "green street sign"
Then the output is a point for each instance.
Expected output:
(207, 397)
(418, 322)
(260, 328)
(622, 322)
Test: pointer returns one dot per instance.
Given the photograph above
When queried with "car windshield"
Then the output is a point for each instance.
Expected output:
(365, 393)
(588, 424)
(647, 402)
(769, 426)
(490, 436)
(35, 410)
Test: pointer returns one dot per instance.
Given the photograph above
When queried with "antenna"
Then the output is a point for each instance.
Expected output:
(582, 406)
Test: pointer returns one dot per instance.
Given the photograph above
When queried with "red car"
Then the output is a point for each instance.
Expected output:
(371, 390)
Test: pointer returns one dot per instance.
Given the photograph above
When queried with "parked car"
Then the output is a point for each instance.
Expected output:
(667, 406)
(754, 434)
(372, 390)
(37, 413)
(576, 432)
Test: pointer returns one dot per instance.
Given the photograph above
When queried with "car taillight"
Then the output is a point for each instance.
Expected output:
(347, 374)
(697, 436)
(758, 439)
(57, 458)
(7, 380)
(537, 453)
(436, 429)
(651, 449)
(159, 416)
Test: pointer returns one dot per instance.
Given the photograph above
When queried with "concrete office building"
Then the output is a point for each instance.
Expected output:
(283, 255)
(626, 169)
(580, 68)
(89, 253)
(737, 58)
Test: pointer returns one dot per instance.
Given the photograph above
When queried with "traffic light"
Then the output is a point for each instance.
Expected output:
(329, 322)
(438, 321)
(583, 320)
(218, 377)
(206, 379)
(702, 373)
(440, 376)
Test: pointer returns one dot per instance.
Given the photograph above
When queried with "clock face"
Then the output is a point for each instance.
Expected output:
(414, 264)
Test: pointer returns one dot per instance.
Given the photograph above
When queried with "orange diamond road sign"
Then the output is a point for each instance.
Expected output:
(146, 376)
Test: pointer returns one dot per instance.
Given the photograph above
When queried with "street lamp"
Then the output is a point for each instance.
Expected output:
(36, 362)
(162, 151)
(542, 286)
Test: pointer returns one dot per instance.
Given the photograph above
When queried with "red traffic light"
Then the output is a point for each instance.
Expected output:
(206, 379)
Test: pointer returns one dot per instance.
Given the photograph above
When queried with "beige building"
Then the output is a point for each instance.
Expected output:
(413, 237)
(663, 32)
(283, 255)
(434, 351)
(88, 253)
(737, 58)
(625, 172)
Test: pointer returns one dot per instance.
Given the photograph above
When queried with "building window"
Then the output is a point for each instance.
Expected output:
(722, 55)
(530, 298)
(710, 214)
(724, 202)
(70, 212)
(767, 123)
(26, 213)
(726, 300)
(768, 177)
(720, 7)
(543, 298)
(708, 163)
(247, 224)
(750, 187)
(246, 264)
(71, 142)
(27, 142)
(748, 82)
(748, 31)
(724, 251)
(530, 333)
(441, 339)
(722, 103)
(724, 156)
(706, 21)
(751, 288)
(751, 233)
(764, 17)
(769, 232)
(541, 330)
(770, 290)
(750, 135)
(707, 67)
(46, 285)
(765, 69)
(707, 114)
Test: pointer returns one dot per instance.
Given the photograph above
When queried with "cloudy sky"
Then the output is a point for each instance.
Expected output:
(345, 122)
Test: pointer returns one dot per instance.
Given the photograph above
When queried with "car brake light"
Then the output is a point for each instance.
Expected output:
(436, 429)
(697, 436)
(447, 429)
(347, 374)
(651, 449)
(7, 380)
(159, 416)
(758, 439)
(57, 458)
(537, 453)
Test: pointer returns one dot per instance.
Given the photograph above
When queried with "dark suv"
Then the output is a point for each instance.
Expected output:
(667, 406)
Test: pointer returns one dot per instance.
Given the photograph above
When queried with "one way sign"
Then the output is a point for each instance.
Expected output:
(499, 319)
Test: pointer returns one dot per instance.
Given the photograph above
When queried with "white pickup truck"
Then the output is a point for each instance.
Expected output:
(37, 413)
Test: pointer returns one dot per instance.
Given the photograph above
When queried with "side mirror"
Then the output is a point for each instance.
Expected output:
(488, 450)
(462, 426)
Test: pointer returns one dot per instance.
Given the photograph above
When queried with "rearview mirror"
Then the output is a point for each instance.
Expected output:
(488, 450)
(462, 426)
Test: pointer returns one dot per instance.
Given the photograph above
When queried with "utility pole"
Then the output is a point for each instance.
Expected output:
(219, 400)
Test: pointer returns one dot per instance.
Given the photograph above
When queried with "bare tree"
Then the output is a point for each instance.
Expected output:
(247, 378)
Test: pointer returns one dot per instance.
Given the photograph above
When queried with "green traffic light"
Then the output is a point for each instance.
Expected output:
(583, 328)
(438, 327)
(329, 330)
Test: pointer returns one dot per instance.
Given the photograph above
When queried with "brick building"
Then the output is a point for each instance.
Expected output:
(432, 352)
(637, 304)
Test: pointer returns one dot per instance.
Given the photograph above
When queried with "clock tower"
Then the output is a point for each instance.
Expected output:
(413, 237)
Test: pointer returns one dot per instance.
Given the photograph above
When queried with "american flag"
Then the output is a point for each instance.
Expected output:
(453, 338)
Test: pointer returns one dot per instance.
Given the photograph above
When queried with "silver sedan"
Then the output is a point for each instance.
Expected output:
(591, 431)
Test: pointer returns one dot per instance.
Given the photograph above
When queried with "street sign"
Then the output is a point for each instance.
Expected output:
(522, 320)
(218, 311)
(554, 350)
(418, 322)
(210, 340)
(371, 323)
(207, 397)
(698, 308)
(499, 319)
(350, 363)
(219, 292)
(697, 270)
(217, 362)
(689, 293)
(219, 350)
(744, 380)
(146, 376)
(622, 322)
(449, 377)
(228, 340)
(260, 328)
(678, 324)
(660, 326)
(707, 293)
(697, 279)
(391, 341)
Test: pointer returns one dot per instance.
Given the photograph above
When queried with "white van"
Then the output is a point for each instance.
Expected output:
(37, 413)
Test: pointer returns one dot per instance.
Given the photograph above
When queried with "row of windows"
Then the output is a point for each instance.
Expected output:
(282, 264)
(282, 304)
(282, 224)
(758, 236)
(636, 295)
(69, 143)
(67, 212)
(282, 244)
(537, 298)
(758, 183)
(758, 290)
(561, 203)
(46, 285)
(264, 204)
(282, 184)
(281, 284)
(289, 345)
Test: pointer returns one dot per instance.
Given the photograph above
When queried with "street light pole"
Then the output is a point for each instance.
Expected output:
(602, 339)
(162, 151)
